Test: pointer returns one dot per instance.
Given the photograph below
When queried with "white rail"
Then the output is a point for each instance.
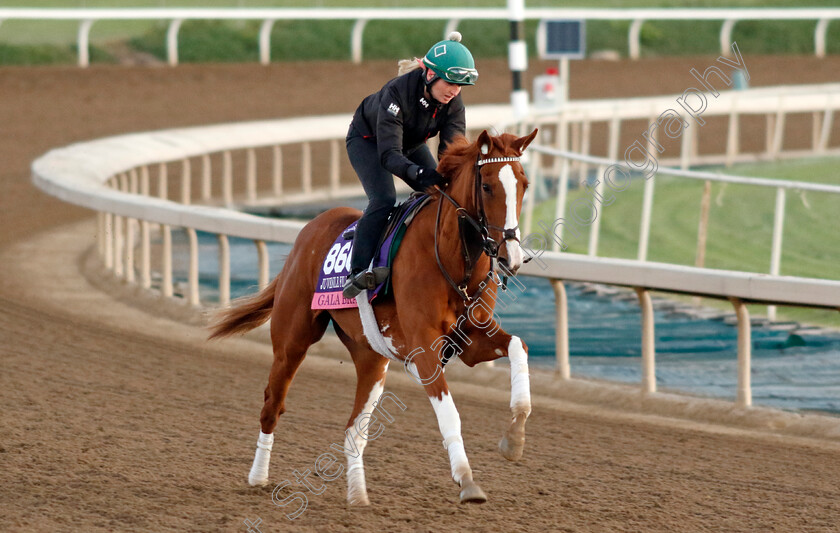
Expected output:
(176, 16)
(777, 104)
(115, 176)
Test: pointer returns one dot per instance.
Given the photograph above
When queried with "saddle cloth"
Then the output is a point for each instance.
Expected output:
(336, 266)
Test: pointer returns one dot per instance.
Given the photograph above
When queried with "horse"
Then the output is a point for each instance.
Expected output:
(444, 277)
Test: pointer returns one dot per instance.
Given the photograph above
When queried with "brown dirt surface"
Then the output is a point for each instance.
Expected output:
(116, 419)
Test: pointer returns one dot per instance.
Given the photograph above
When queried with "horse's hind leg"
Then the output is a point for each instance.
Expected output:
(291, 336)
(370, 383)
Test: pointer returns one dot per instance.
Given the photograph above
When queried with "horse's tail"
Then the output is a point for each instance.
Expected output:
(245, 313)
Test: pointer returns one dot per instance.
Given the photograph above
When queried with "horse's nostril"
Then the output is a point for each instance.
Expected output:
(505, 266)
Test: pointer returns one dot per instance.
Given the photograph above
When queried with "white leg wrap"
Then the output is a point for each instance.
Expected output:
(520, 381)
(259, 469)
(449, 422)
(356, 485)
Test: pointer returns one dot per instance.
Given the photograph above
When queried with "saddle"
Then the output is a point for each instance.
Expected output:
(336, 266)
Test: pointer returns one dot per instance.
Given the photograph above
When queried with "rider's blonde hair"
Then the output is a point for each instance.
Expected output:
(407, 65)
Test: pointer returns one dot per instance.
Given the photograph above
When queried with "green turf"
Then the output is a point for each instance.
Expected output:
(740, 224)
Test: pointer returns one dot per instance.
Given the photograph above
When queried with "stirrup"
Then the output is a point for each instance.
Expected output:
(367, 279)
(379, 275)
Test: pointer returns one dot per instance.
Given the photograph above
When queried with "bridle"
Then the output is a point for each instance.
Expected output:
(480, 225)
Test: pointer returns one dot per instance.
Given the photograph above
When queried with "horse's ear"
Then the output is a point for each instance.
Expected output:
(484, 143)
(523, 142)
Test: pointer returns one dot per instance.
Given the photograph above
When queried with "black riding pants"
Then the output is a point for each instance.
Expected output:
(379, 187)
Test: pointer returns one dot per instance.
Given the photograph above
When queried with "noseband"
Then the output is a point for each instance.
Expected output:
(481, 225)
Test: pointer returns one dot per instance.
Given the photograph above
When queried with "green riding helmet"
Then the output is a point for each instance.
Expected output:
(451, 61)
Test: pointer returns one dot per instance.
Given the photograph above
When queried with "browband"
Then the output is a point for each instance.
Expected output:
(495, 160)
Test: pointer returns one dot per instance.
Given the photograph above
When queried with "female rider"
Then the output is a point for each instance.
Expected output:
(388, 136)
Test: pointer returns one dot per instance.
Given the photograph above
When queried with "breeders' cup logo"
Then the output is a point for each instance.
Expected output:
(394, 109)
(424, 102)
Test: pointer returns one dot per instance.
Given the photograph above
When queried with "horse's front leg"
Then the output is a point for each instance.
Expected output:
(513, 441)
(487, 344)
(425, 369)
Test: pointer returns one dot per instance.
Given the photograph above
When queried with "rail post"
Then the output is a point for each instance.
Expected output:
(726, 36)
(265, 41)
(648, 341)
(172, 41)
(186, 181)
(277, 170)
(166, 274)
(224, 270)
(192, 276)
(83, 42)
(776, 251)
(744, 397)
(145, 255)
(227, 178)
(561, 346)
(262, 258)
(819, 37)
(356, 40)
(633, 46)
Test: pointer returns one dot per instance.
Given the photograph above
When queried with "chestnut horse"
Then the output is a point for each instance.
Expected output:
(444, 288)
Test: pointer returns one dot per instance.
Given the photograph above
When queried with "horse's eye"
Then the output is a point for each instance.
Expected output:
(486, 187)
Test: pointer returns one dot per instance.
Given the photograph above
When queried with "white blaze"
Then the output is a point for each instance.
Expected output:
(514, 252)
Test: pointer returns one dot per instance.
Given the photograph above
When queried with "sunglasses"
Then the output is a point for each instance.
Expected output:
(461, 75)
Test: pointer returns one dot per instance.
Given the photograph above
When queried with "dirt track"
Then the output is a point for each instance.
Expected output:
(114, 419)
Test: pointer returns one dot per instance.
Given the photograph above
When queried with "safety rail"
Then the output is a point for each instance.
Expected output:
(737, 287)
(126, 179)
(86, 17)
(573, 124)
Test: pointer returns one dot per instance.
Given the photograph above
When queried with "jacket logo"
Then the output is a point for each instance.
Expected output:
(394, 109)
(424, 102)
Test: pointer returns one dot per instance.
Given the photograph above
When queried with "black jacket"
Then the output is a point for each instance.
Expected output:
(401, 118)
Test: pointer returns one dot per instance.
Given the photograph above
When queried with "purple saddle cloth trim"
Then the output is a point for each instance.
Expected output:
(336, 266)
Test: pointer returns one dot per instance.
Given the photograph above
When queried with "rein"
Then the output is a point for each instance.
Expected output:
(489, 246)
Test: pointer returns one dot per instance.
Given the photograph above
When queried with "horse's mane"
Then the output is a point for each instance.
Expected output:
(461, 154)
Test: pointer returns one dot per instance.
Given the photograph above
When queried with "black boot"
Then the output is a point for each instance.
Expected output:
(354, 285)
(364, 279)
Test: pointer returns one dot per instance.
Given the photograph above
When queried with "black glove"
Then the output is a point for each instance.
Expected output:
(428, 177)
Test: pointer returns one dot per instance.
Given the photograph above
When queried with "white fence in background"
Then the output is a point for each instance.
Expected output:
(126, 179)
(86, 17)
(572, 159)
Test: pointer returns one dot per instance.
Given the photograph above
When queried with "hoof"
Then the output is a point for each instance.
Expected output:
(472, 493)
(511, 451)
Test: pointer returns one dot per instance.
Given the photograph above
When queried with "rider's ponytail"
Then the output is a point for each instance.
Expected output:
(407, 65)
